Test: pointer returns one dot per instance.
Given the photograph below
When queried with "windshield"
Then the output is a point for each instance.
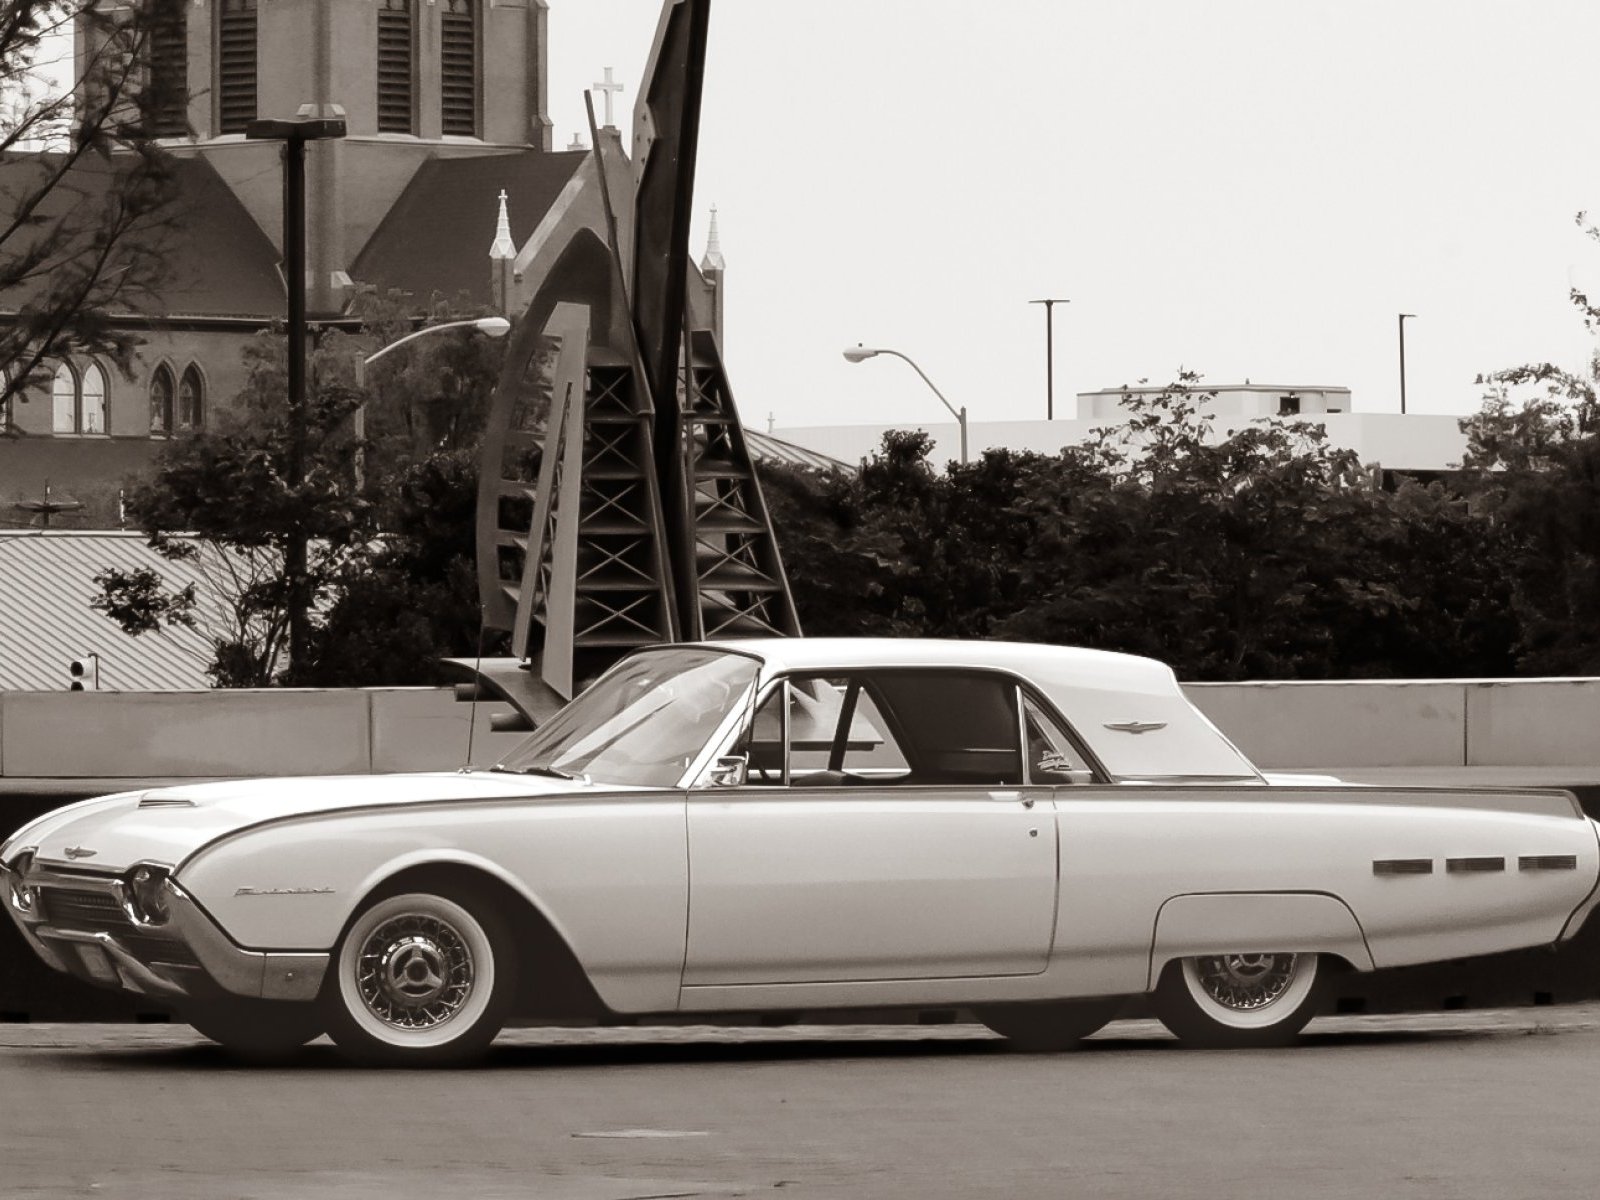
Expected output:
(644, 721)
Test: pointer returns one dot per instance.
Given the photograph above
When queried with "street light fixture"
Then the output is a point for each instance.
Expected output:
(494, 327)
(860, 353)
(1403, 317)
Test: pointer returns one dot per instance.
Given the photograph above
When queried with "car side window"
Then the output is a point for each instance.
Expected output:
(821, 731)
(882, 728)
(1052, 756)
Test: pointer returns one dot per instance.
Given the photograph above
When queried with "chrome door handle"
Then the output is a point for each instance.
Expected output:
(1027, 801)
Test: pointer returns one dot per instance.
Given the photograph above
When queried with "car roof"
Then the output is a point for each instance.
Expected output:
(1088, 668)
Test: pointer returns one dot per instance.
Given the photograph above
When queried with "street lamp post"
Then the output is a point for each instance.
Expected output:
(294, 133)
(494, 327)
(1403, 317)
(859, 353)
(1049, 356)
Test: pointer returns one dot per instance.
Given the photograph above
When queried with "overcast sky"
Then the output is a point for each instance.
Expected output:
(1243, 189)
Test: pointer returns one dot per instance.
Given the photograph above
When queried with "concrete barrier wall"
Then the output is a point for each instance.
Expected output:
(52, 735)
(1358, 724)
(1409, 723)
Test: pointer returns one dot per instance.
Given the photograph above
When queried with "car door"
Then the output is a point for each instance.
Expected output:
(884, 833)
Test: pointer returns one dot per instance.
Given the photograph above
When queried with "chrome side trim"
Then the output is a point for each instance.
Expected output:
(1402, 866)
(1547, 862)
(1478, 865)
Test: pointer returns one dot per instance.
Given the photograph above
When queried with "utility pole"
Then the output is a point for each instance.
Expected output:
(294, 134)
(1403, 317)
(1049, 355)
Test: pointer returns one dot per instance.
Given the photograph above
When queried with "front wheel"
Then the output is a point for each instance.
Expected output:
(421, 979)
(1239, 1000)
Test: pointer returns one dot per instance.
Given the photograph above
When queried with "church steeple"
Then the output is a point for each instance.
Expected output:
(503, 260)
(503, 246)
(713, 260)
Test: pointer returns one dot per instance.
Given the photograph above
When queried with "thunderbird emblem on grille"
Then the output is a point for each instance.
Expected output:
(80, 852)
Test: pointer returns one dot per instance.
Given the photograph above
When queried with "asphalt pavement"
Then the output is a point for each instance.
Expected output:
(1453, 1105)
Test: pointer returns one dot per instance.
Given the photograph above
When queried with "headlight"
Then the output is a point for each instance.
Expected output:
(22, 897)
(144, 895)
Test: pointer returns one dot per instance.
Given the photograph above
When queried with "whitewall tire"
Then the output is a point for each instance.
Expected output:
(421, 979)
(1239, 1000)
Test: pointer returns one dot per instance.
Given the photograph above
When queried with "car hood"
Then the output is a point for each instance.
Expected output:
(166, 825)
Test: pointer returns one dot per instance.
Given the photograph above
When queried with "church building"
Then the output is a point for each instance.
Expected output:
(448, 145)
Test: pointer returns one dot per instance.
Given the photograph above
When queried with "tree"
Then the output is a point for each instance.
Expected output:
(228, 486)
(1263, 553)
(389, 566)
(414, 599)
(433, 395)
(86, 194)
(1533, 471)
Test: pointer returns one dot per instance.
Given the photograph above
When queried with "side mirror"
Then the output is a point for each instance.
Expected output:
(731, 770)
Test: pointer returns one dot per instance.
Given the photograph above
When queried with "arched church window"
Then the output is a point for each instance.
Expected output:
(64, 399)
(236, 65)
(169, 71)
(191, 399)
(162, 392)
(458, 67)
(92, 408)
(396, 67)
(78, 402)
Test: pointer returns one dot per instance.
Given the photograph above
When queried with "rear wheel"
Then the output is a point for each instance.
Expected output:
(1240, 1000)
(1048, 1028)
(256, 1030)
(421, 979)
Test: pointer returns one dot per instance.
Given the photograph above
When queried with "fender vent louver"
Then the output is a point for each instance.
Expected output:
(1548, 862)
(1459, 866)
(1402, 866)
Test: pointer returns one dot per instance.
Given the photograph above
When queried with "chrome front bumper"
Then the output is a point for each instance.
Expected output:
(83, 924)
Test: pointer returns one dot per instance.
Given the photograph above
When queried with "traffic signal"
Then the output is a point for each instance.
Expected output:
(76, 670)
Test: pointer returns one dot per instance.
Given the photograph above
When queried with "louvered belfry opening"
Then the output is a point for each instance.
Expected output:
(458, 67)
(169, 73)
(396, 73)
(236, 65)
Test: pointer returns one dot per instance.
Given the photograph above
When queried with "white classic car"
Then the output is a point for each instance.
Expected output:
(777, 827)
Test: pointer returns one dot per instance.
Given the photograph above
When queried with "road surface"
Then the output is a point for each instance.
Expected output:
(1455, 1105)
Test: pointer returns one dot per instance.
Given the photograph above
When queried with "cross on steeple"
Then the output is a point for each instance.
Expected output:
(610, 87)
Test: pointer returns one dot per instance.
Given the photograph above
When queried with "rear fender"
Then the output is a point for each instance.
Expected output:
(1254, 923)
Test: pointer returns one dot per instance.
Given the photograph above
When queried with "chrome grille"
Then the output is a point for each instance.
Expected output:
(98, 912)
(94, 911)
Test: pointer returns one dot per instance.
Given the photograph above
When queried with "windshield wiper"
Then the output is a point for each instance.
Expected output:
(552, 772)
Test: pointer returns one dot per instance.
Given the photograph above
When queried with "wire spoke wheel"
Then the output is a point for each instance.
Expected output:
(1240, 999)
(421, 979)
(415, 971)
(1243, 982)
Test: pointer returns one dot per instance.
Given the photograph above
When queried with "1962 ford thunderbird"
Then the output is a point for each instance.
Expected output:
(792, 826)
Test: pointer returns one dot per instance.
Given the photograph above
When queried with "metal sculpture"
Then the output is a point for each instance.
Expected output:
(618, 502)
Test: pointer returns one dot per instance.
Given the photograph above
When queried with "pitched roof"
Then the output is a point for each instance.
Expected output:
(46, 583)
(764, 445)
(221, 262)
(437, 236)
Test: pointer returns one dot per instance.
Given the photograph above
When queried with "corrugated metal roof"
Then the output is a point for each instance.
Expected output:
(764, 445)
(46, 584)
